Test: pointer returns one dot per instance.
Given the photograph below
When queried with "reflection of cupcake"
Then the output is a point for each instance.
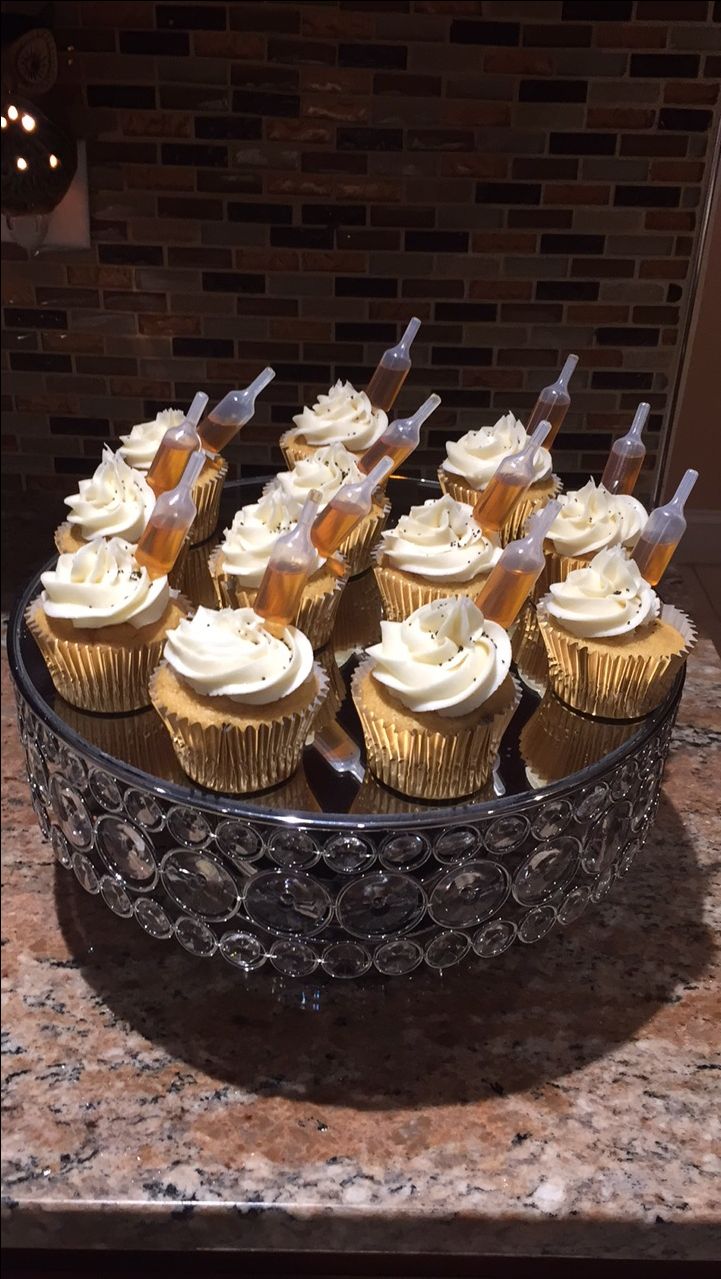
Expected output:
(434, 700)
(590, 520)
(557, 741)
(138, 739)
(238, 563)
(435, 551)
(115, 502)
(292, 796)
(100, 624)
(139, 448)
(612, 650)
(358, 620)
(237, 701)
(372, 797)
(327, 470)
(472, 461)
(344, 416)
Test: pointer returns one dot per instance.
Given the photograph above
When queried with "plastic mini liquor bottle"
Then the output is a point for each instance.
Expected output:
(513, 476)
(400, 438)
(517, 571)
(553, 402)
(347, 509)
(392, 371)
(663, 532)
(290, 565)
(626, 457)
(176, 446)
(170, 519)
(234, 410)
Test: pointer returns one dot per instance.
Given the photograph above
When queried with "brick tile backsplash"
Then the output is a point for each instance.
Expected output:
(287, 183)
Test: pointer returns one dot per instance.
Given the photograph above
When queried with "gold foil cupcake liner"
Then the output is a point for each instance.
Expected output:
(448, 763)
(336, 689)
(358, 620)
(529, 650)
(98, 677)
(316, 614)
(357, 548)
(196, 581)
(557, 741)
(67, 541)
(556, 568)
(239, 759)
(612, 683)
(207, 492)
(537, 496)
(295, 450)
(401, 595)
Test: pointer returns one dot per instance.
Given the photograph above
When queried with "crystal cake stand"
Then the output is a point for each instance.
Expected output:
(330, 873)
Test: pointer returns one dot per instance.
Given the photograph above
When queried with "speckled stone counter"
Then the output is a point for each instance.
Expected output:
(560, 1100)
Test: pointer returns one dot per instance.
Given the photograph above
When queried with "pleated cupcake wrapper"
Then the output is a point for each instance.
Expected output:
(206, 495)
(533, 500)
(402, 597)
(196, 581)
(556, 568)
(316, 614)
(238, 759)
(557, 741)
(529, 650)
(336, 689)
(98, 677)
(67, 541)
(615, 684)
(358, 620)
(294, 450)
(428, 764)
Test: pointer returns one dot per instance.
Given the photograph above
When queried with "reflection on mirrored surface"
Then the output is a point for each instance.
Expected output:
(557, 741)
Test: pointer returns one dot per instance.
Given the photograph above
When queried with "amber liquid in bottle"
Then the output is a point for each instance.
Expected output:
(215, 435)
(654, 560)
(159, 548)
(621, 473)
(279, 594)
(383, 388)
(379, 450)
(497, 502)
(167, 467)
(553, 410)
(332, 526)
(504, 593)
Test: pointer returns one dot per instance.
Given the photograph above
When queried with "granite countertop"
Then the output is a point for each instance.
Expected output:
(557, 1101)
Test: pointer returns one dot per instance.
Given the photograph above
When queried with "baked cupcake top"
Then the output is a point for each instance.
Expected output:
(247, 544)
(343, 414)
(440, 540)
(591, 519)
(607, 598)
(115, 502)
(230, 653)
(477, 454)
(101, 585)
(445, 657)
(142, 443)
(326, 470)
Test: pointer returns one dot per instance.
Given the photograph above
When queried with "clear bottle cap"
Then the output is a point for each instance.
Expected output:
(360, 493)
(237, 407)
(403, 428)
(397, 357)
(197, 408)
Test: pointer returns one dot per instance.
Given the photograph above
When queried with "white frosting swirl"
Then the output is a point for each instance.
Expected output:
(343, 414)
(326, 470)
(140, 446)
(608, 597)
(445, 657)
(247, 544)
(101, 585)
(477, 454)
(230, 653)
(115, 502)
(591, 519)
(440, 540)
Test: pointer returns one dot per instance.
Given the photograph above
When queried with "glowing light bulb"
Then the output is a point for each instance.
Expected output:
(12, 113)
(53, 161)
(21, 164)
(3, 122)
(28, 123)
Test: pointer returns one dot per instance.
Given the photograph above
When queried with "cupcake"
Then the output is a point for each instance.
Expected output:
(100, 624)
(434, 699)
(115, 502)
(529, 650)
(590, 520)
(237, 701)
(327, 470)
(472, 461)
(195, 580)
(239, 561)
(344, 416)
(612, 649)
(436, 550)
(358, 620)
(138, 450)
